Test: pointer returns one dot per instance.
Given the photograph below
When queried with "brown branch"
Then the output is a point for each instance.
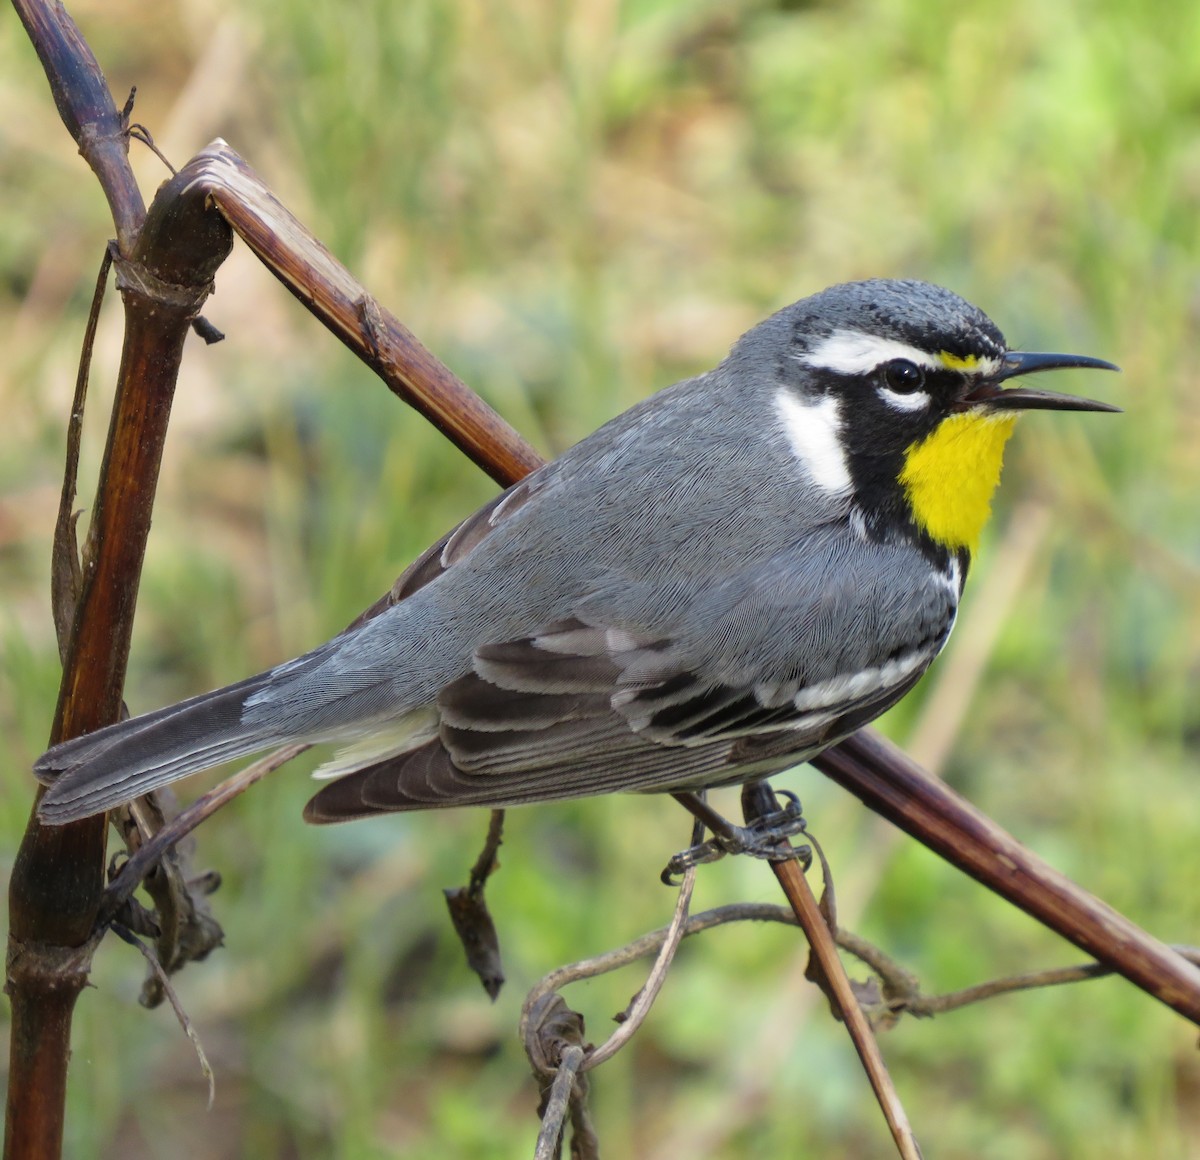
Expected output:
(165, 265)
(340, 302)
(894, 786)
(56, 879)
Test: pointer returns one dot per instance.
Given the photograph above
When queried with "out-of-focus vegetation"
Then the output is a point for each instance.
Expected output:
(574, 204)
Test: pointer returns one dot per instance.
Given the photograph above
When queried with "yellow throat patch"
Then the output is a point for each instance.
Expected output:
(949, 477)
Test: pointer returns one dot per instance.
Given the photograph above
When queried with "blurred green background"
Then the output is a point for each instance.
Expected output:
(574, 204)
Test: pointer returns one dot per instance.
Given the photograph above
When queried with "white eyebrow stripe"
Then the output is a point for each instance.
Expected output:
(852, 352)
(814, 431)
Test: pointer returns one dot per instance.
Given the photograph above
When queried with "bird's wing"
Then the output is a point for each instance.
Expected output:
(774, 667)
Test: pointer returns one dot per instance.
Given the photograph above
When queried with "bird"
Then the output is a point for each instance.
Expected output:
(716, 585)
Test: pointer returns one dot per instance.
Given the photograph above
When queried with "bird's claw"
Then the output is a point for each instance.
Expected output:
(766, 837)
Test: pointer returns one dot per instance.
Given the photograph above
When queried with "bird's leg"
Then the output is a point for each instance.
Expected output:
(760, 839)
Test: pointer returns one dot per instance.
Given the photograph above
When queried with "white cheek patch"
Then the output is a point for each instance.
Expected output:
(898, 401)
(814, 431)
(851, 352)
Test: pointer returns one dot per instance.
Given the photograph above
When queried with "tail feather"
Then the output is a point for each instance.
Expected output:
(114, 765)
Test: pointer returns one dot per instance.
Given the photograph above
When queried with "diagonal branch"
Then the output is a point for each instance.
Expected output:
(896, 787)
(869, 767)
(327, 289)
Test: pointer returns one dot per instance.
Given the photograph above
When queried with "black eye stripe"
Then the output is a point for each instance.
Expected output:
(903, 376)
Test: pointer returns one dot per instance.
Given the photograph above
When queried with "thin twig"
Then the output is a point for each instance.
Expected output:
(638, 1010)
(800, 895)
(549, 1141)
(663, 942)
(185, 1020)
(651, 943)
(143, 860)
(902, 991)
(880, 963)
(140, 133)
(488, 860)
(758, 799)
(66, 576)
(922, 1005)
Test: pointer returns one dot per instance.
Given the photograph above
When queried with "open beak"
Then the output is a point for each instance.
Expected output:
(1018, 362)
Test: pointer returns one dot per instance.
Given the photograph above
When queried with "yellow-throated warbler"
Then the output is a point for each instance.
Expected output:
(718, 584)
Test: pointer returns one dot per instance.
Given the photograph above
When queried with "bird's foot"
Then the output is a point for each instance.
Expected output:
(766, 837)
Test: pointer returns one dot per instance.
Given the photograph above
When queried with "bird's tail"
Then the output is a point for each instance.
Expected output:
(101, 770)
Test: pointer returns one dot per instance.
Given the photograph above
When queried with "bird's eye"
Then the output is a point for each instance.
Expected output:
(903, 376)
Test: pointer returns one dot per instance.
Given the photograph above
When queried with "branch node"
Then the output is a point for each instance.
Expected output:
(136, 278)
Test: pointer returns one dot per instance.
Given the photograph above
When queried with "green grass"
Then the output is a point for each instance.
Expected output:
(574, 204)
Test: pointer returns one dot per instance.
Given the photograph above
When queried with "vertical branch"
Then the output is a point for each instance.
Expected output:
(56, 880)
(164, 268)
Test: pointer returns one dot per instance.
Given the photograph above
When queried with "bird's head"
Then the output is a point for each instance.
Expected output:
(898, 392)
